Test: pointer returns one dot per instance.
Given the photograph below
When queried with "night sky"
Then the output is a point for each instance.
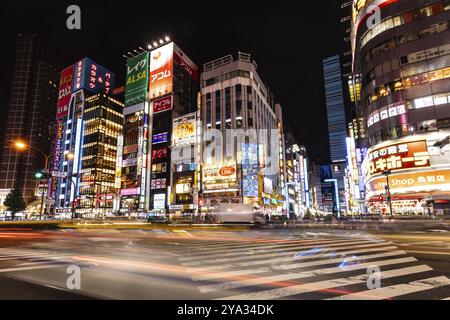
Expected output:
(287, 40)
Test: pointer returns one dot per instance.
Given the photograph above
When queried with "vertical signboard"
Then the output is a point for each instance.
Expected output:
(119, 156)
(65, 92)
(137, 79)
(161, 71)
(250, 186)
(57, 156)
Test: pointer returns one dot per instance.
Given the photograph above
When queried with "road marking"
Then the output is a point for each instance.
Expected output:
(242, 256)
(397, 290)
(304, 274)
(291, 258)
(239, 248)
(324, 253)
(323, 285)
(216, 275)
(29, 268)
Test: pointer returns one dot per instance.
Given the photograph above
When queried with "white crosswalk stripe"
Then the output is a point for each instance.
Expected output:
(294, 258)
(277, 253)
(240, 248)
(273, 271)
(324, 285)
(214, 275)
(397, 290)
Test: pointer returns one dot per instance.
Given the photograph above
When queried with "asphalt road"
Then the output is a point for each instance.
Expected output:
(224, 264)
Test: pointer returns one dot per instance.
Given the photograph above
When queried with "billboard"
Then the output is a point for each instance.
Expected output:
(227, 171)
(185, 62)
(93, 77)
(65, 92)
(57, 154)
(160, 138)
(137, 79)
(417, 181)
(163, 104)
(184, 130)
(159, 201)
(161, 71)
(250, 185)
(397, 156)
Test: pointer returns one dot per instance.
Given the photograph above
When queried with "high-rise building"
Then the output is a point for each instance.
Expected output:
(334, 99)
(337, 127)
(242, 163)
(160, 132)
(88, 123)
(402, 53)
(33, 97)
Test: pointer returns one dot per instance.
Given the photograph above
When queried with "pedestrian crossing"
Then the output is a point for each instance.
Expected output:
(334, 268)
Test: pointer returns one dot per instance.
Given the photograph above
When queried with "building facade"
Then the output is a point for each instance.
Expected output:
(33, 97)
(88, 122)
(160, 132)
(403, 60)
(242, 136)
(337, 128)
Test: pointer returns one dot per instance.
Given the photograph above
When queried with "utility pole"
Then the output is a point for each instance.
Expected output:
(388, 192)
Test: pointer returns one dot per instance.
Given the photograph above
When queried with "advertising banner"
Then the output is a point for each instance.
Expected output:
(418, 181)
(57, 155)
(163, 104)
(250, 187)
(65, 92)
(398, 156)
(220, 173)
(185, 62)
(119, 159)
(137, 79)
(130, 192)
(184, 130)
(93, 77)
(159, 201)
(160, 138)
(161, 71)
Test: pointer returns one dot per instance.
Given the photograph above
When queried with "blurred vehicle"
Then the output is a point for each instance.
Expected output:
(278, 219)
(158, 219)
(237, 213)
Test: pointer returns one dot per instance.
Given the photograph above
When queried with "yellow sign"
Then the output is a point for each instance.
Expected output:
(422, 181)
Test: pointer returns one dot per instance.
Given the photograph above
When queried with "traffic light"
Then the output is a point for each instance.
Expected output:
(39, 175)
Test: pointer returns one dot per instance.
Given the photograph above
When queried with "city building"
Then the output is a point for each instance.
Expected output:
(337, 128)
(403, 58)
(299, 177)
(160, 145)
(88, 122)
(242, 136)
(33, 97)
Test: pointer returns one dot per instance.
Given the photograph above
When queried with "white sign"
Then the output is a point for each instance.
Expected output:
(159, 201)
(58, 174)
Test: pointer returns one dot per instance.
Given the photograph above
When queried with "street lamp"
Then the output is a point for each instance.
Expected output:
(22, 146)
(388, 191)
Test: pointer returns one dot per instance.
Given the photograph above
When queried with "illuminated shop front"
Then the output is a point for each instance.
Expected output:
(418, 171)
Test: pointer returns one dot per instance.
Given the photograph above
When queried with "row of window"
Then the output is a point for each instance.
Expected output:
(405, 38)
(227, 76)
(399, 109)
(393, 22)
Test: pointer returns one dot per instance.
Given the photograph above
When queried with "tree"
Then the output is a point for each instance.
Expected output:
(14, 201)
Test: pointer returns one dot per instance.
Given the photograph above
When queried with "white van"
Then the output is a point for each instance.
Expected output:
(237, 213)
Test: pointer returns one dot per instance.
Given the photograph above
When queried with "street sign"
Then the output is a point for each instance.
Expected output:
(58, 174)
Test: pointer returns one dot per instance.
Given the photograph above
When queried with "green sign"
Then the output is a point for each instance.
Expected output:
(137, 79)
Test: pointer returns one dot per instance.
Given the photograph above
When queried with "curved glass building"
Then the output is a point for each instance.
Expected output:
(401, 53)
